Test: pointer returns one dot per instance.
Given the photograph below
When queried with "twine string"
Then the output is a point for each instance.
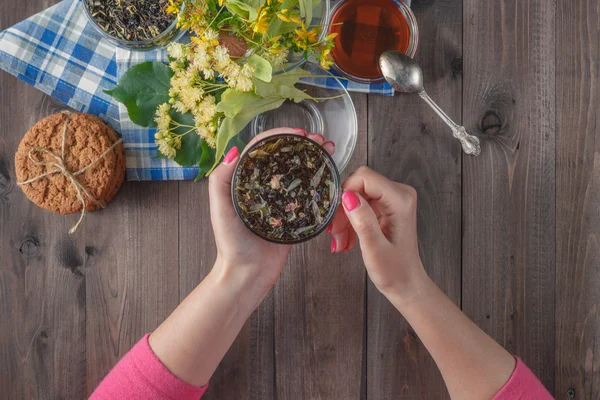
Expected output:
(60, 167)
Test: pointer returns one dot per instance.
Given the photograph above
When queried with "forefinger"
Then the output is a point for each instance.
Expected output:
(375, 187)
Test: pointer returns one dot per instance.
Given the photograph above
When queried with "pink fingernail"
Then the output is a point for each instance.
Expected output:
(329, 142)
(319, 135)
(350, 200)
(333, 245)
(329, 228)
(302, 131)
(231, 155)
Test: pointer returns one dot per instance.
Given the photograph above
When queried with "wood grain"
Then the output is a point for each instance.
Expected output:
(319, 313)
(577, 371)
(247, 371)
(509, 191)
(131, 268)
(42, 285)
(412, 145)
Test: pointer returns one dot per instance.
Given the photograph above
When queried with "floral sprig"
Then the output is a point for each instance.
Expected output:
(217, 83)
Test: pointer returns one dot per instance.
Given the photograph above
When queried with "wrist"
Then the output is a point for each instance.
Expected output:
(411, 289)
(240, 282)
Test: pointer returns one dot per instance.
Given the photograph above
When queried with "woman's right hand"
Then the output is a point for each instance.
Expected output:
(383, 214)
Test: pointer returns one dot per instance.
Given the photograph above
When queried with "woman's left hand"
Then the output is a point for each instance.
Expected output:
(240, 252)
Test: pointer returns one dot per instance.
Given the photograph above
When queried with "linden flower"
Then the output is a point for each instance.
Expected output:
(205, 111)
(162, 117)
(190, 96)
(211, 36)
(175, 50)
(221, 56)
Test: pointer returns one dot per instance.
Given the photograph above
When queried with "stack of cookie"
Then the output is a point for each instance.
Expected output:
(66, 160)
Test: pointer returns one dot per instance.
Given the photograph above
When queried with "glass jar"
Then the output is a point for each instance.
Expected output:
(171, 34)
(365, 30)
(243, 213)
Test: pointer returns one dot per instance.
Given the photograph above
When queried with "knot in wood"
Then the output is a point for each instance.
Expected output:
(5, 182)
(457, 65)
(491, 123)
(571, 393)
(30, 247)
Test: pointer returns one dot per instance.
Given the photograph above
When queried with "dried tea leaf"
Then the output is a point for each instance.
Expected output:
(314, 182)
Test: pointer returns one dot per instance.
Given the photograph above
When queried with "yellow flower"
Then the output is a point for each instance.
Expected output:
(296, 20)
(331, 36)
(262, 22)
(325, 59)
(220, 3)
(172, 8)
(311, 36)
(283, 17)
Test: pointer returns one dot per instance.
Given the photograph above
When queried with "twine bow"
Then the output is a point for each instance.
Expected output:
(60, 167)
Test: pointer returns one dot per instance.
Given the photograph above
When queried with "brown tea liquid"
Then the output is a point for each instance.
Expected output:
(367, 28)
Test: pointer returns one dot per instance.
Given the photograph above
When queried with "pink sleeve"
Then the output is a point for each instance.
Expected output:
(523, 385)
(141, 375)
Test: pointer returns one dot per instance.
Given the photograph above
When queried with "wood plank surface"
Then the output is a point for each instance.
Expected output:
(577, 370)
(409, 143)
(512, 234)
(131, 271)
(42, 284)
(319, 312)
(509, 190)
(247, 371)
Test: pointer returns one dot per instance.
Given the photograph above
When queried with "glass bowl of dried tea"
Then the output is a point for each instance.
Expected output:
(141, 25)
(286, 189)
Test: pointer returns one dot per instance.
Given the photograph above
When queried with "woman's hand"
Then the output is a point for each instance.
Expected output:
(252, 258)
(383, 214)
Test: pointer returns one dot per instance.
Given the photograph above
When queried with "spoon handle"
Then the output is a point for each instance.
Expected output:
(470, 144)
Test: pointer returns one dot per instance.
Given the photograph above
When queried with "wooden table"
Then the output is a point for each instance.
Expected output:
(513, 236)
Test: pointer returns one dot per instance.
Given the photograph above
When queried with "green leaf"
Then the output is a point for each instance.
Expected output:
(207, 159)
(142, 89)
(256, 3)
(230, 127)
(290, 78)
(191, 144)
(237, 142)
(275, 90)
(277, 26)
(241, 9)
(306, 10)
(263, 68)
(233, 101)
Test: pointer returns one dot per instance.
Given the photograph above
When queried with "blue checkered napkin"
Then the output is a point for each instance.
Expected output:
(57, 52)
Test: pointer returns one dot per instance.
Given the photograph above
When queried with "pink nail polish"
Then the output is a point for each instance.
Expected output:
(330, 143)
(319, 135)
(302, 131)
(350, 200)
(329, 228)
(333, 245)
(231, 155)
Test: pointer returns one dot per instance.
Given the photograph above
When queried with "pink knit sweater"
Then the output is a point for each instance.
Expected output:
(141, 375)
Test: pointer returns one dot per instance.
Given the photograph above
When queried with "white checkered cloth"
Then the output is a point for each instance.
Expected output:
(60, 53)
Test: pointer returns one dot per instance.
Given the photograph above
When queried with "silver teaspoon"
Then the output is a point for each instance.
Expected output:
(405, 76)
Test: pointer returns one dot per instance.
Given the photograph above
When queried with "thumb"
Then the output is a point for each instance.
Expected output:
(363, 219)
(219, 183)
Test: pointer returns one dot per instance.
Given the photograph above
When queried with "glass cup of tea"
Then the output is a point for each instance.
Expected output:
(367, 28)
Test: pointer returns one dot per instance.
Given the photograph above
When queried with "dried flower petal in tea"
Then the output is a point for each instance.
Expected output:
(285, 188)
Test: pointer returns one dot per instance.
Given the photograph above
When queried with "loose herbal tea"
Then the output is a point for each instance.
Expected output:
(286, 188)
(132, 20)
